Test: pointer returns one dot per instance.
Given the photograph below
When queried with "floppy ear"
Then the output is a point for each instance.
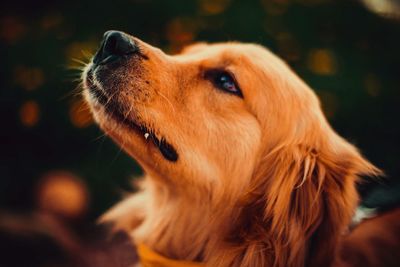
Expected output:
(310, 197)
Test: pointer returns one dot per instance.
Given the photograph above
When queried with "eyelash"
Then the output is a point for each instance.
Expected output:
(219, 78)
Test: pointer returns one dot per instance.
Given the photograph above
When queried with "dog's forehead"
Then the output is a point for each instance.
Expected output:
(225, 53)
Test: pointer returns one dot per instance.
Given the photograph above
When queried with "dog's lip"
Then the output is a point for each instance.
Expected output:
(112, 110)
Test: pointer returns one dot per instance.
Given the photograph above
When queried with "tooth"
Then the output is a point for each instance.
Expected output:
(146, 135)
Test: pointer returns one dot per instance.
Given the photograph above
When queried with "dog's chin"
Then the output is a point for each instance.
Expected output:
(131, 140)
(134, 137)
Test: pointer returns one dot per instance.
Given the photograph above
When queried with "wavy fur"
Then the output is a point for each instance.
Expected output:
(262, 181)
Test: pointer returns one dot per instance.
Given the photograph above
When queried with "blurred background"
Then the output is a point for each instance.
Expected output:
(53, 157)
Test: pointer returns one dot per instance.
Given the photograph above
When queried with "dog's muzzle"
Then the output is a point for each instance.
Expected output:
(117, 47)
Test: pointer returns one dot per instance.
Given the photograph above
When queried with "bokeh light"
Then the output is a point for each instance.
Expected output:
(51, 21)
(213, 7)
(29, 113)
(62, 193)
(385, 8)
(322, 62)
(181, 31)
(28, 78)
(12, 29)
(372, 85)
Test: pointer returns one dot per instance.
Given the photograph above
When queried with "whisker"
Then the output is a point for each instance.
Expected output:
(87, 55)
(126, 114)
(76, 92)
(103, 135)
(76, 60)
(118, 153)
(169, 102)
(112, 96)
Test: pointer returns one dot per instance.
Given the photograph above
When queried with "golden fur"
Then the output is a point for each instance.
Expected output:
(261, 180)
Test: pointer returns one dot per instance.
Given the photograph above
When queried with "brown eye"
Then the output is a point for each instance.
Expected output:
(223, 80)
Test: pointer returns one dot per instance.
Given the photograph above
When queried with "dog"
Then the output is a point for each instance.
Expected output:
(242, 168)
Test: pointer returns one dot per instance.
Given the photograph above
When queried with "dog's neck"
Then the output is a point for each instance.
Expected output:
(179, 225)
(187, 227)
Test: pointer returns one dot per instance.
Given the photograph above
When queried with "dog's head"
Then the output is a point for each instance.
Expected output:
(228, 118)
(196, 118)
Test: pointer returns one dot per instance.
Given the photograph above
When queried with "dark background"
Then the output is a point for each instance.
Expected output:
(53, 157)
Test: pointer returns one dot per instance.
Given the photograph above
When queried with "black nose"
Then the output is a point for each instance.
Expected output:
(115, 44)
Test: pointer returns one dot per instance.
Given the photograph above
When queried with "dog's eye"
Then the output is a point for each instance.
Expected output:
(224, 81)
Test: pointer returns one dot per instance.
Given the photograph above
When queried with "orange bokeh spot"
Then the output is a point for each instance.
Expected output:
(372, 85)
(29, 113)
(62, 193)
(322, 62)
(181, 31)
(28, 78)
(79, 114)
(213, 7)
(51, 21)
(12, 29)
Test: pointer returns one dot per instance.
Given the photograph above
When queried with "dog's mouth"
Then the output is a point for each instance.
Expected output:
(113, 109)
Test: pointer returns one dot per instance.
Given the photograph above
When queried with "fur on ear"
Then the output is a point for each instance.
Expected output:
(310, 199)
(303, 199)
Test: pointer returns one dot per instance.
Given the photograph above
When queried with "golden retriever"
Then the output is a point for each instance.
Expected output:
(242, 167)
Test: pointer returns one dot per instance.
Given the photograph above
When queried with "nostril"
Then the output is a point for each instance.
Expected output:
(114, 45)
(118, 43)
